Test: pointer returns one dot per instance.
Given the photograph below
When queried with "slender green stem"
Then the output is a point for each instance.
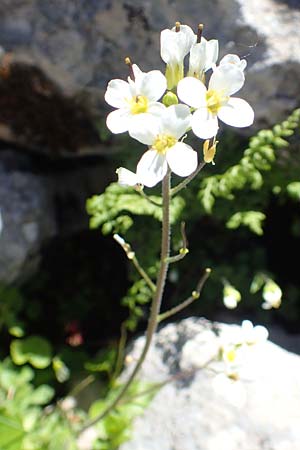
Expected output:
(81, 386)
(131, 256)
(143, 274)
(121, 349)
(187, 180)
(184, 250)
(156, 301)
(149, 199)
(195, 295)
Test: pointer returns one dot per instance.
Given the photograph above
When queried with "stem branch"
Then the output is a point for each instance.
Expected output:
(195, 295)
(156, 301)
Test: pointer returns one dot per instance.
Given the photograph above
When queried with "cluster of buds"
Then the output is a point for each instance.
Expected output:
(163, 125)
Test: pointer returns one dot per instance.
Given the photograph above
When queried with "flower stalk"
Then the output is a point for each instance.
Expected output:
(156, 301)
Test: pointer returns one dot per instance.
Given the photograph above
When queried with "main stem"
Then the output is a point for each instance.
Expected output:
(156, 301)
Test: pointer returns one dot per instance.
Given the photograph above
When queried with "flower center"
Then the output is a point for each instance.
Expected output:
(138, 104)
(214, 100)
(163, 142)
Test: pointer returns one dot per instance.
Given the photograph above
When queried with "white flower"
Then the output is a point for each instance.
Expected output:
(234, 59)
(203, 56)
(272, 295)
(175, 44)
(134, 97)
(86, 439)
(231, 296)
(253, 335)
(126, 177)
(163, 135)
(215, 102)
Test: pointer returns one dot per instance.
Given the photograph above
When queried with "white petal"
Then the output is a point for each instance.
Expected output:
(212, 53)
(175, 45)
(117, 92)
(234, 59)
(144, 128)
(192, 92)
(151, 168)
(237, 113)
(182, 159)
(204, 125)
(197, 58)
(156, 109)
(118, 121)
(136, 71)
(153, 85)
(170, 42)
(126, 177)
(190, 37)
(227, 78)
(176, 120)
(260, 333)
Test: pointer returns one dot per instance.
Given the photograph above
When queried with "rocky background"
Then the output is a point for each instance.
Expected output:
(57, 58)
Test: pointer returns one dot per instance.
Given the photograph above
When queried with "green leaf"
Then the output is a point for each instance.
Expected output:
(251, 219)
(293, 189)
(42, 395)
(35, 350)
(11, 433)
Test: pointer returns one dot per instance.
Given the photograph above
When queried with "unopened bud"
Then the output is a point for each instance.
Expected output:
(209, 151)
(170, 99)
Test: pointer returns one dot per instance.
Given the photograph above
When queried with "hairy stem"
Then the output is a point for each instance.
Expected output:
(187, 180)
(195, 295)
(156, 301)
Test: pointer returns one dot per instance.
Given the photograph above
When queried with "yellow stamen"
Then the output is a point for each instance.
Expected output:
(138, 104)
(214, 100)
(163, 142)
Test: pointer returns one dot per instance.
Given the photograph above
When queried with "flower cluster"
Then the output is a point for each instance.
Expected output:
(163, 125)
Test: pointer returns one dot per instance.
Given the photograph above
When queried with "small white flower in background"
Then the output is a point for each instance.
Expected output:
(87, 438)
(231, 296)
(272, 295)
(251, 334)
(234, 59)
(175, 44)
(166, 150)
(215, 102)
(236, 342)
(203, 56)
(126, 177)
(134, 97)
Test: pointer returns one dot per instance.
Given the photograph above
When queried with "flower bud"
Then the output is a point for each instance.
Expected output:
(170, 99)
(231, 296)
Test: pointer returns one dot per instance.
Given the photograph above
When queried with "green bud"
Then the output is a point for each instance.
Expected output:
(170, 99)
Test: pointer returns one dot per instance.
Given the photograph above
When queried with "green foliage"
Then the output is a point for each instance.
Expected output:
(258, 158)
(34, 350)
(110, 209)
(24, 424)
(251, 219)
(11, 303)
(115, 429)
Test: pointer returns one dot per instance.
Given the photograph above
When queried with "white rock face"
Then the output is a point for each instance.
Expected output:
(209, 411)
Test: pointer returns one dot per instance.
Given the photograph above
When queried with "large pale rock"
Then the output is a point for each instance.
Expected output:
(62, 53)
(203, 410)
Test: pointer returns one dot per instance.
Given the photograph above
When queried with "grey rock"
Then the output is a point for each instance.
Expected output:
(68, 50)
(28, 215)
(38, 204)
(204, 410)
